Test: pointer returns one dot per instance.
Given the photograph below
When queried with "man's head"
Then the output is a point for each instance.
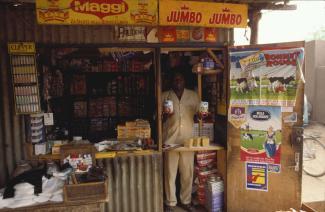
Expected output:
(178, 81)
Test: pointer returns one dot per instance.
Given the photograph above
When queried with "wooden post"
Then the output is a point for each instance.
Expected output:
(254, 18)
(199, 90)
(158, 92)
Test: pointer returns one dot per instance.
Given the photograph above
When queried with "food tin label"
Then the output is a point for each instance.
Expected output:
(204, 107)
(168, 107)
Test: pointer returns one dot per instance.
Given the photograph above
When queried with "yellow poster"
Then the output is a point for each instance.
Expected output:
(97, 12)
(204, 14)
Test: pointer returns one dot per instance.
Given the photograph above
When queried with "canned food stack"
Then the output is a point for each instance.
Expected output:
(214, 189)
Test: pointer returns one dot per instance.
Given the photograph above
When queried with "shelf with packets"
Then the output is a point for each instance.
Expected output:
(25, 83)
(98, 92)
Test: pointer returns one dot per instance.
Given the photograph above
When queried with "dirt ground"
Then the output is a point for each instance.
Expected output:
(313, 188)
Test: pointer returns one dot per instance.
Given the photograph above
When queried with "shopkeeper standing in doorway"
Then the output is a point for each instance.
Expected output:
(177, 128)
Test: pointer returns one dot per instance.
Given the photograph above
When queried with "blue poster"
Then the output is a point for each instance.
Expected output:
(256, 176)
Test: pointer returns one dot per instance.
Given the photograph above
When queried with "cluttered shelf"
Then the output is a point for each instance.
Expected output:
(102, 155)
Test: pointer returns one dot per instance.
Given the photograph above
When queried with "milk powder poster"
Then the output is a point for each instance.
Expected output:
(256, 176)
(265, 76)
(261, 135)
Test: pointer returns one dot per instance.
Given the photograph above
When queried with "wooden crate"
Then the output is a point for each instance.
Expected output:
(92, 191)
(95, 191)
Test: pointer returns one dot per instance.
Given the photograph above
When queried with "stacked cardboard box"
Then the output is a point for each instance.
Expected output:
(134, 129)
(207, 129)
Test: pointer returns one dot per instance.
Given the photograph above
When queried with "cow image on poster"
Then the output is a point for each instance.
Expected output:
(245, 85)
(279, 84)
(246, 135)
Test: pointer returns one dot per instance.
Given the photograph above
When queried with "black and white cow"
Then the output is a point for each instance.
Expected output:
(247, 136)
(279, 84)
(245, 85)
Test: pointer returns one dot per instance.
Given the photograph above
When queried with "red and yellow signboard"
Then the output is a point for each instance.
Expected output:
(97, 12)
(204, 14)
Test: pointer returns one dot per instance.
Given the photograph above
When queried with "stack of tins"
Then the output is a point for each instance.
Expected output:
(205, 166)
(214, 194)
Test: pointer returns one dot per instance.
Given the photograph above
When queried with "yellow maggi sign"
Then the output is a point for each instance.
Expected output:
(97, 12)
(204, 14)
(21, 47)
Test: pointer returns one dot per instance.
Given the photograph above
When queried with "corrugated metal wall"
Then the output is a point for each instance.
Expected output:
(135, 182)
(19, 24)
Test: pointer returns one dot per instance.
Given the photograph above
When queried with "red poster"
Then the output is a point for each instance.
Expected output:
(167, 34)
(210, 35)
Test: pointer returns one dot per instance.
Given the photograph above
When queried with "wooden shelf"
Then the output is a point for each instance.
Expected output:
(103, 155)
(211, 72)
(195, 149)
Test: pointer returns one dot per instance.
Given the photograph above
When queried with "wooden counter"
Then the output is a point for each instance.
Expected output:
(102, 155)
(195, 149)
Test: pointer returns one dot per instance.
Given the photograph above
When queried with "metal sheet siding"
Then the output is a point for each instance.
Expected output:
(135, 183)
(19, 24)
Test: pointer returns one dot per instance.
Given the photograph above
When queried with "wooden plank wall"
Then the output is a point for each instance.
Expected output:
(284, 188)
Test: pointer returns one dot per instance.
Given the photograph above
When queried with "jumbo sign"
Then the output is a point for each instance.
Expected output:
(204, 14)
(97, 12)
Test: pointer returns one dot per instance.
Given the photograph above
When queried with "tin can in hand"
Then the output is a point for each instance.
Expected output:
(204, 108)
(168, 107)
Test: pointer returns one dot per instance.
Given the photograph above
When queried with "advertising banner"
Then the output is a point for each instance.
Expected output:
(256, 176)
(265, 76)
(97, 12)
(261, 135)
(204, 14)
(237, 115)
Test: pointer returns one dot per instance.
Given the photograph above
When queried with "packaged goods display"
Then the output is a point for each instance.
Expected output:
(36, 128)
(206, 130)
(135, 129)
(92, 91)
(205, 166)
(210, 95)
(25, 84)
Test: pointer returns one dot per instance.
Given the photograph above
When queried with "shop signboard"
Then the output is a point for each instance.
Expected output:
(265, 76)
(203, 14)
(97, 12)
(261, 135)
(21, 47)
